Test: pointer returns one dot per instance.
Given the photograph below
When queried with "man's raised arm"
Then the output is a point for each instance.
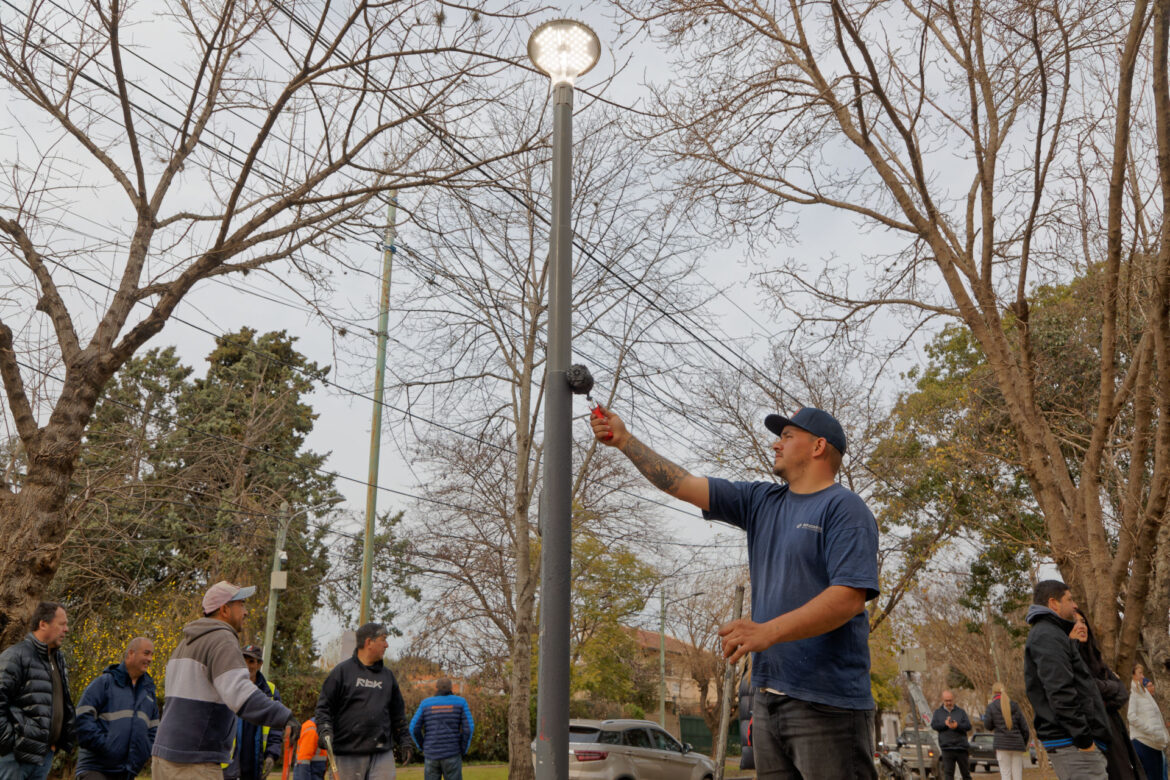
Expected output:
(662, 474)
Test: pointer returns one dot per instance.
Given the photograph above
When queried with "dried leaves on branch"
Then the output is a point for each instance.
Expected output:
(157, 147)
(983, 150)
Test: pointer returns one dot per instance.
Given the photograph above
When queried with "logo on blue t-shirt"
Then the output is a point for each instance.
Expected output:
(790, 567)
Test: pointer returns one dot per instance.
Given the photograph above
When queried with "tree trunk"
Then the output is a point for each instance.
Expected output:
(520, 694)
(1156, 629)
(35, 529)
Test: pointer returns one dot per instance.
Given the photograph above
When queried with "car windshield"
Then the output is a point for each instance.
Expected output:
(983, 739)
(583, 734)
(910, 735)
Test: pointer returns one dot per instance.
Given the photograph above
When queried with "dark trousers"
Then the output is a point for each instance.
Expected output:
(1153, 761)
(93, 774)
(955, 758)
(800, 740)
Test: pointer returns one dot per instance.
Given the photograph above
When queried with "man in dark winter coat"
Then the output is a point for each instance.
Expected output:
(442, 728)
(257, 749)
(952, 725)
(1070, 716)
(360, 715)
(36, 713)
(117, 717)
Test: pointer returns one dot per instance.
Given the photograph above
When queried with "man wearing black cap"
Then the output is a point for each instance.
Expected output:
(812, 553)
(256, 749)
(361, 716)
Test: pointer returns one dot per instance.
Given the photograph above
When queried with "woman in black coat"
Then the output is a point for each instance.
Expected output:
(1005, 719)
(1122, 762)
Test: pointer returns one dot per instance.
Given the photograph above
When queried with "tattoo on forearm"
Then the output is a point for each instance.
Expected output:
(662, 474)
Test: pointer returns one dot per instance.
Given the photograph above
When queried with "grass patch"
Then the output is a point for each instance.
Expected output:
(470, 772)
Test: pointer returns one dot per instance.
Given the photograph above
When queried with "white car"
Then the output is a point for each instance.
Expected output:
(631, 750)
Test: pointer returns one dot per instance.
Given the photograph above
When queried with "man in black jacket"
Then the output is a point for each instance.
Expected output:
(36, 713)
(360, 715)
(952, 725)
(1071, 721)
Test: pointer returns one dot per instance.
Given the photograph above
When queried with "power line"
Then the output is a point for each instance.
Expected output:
(453, 144)
(459, 148)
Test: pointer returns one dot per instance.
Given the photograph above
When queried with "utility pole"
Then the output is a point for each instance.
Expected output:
(989, 627)
(662, 657)
(277, 583)
(376, 427)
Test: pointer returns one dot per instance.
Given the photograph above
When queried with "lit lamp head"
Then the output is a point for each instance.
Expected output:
(564, 49)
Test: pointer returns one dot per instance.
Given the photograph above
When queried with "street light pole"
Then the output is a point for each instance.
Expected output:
(277, 583)
(563, 49)
(279, 578)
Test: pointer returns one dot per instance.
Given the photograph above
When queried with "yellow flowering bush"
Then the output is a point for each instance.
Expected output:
(99, 639)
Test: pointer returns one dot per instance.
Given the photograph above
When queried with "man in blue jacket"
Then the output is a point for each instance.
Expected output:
(257, 749)
(118, 717)
(442, 728)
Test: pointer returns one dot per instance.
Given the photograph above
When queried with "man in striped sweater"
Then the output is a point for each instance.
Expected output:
(207, 687)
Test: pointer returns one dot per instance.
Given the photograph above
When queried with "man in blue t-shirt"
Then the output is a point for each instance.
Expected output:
(812, 555)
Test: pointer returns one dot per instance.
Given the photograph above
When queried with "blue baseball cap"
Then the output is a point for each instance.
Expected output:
(818, 422)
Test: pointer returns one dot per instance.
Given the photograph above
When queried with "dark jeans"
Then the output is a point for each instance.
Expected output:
(955, 758)
(806, 741)
(1153, 761)
(93, 774)
(450, 768)
(11, 769)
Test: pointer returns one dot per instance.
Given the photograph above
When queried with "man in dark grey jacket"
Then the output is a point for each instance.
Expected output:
(1070, 719)
(952, 724)
(36, 713)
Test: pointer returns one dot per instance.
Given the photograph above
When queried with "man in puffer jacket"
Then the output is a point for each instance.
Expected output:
(36, 713)
(207, 687)
(117, 717)
(442, 727)
(1070, 719)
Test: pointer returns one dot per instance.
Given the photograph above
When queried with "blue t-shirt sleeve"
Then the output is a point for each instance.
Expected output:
(730, 502)
(851, 542)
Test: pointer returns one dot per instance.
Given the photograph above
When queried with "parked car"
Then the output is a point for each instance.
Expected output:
(908, 742)
(888, 763)
(631, 750)
(981, 750)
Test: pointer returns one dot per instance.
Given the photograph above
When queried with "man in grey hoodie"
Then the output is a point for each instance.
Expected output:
(207, 687)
